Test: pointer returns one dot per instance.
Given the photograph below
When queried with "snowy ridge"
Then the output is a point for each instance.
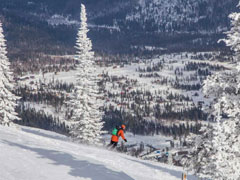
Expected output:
(57, 19)
(28, 153)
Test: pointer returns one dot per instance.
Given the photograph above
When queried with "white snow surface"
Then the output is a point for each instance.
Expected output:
(34, 154)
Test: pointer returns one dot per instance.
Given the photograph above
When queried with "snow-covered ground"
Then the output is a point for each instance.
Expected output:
(171, 62)
(33, 154)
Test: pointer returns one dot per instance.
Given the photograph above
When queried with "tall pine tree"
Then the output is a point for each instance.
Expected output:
(86, 103)
(7, 98)
(221, 142)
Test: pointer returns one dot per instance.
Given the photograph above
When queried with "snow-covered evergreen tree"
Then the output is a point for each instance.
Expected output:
(228, 162)
(215, 153)
(7, 98)
(198, 160)
(86, 104)
(225, 159)
(233, 35)
(221, 142)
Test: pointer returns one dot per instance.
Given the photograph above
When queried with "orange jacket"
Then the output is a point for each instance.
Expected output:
(116, 138)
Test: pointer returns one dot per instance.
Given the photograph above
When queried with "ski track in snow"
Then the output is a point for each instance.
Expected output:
(33, 154)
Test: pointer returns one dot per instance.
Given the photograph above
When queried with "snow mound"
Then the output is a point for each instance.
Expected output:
(28, 153)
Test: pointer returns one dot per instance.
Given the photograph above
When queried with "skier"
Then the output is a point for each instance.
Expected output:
(116, 133)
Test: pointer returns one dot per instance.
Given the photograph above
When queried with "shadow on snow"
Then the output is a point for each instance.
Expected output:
(79, 168)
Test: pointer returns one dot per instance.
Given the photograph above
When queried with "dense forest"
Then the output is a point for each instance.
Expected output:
(35, 27)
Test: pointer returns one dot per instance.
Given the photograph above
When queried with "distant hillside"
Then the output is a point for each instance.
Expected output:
(50, 26)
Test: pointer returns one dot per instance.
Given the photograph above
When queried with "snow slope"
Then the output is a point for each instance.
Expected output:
(33, 154)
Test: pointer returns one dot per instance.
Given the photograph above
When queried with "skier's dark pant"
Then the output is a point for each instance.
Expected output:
(112, 144)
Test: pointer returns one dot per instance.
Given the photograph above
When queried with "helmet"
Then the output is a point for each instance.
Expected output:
(123, 126)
